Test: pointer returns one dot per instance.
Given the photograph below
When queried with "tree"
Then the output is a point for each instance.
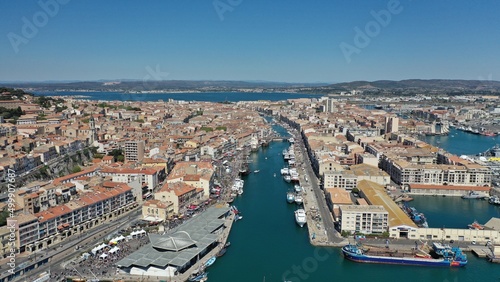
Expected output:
(3, 217)
(76, 169)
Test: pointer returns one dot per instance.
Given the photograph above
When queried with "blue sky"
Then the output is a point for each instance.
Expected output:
(290, 41)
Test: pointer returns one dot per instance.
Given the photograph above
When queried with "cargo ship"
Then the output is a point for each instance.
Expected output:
(450, 259)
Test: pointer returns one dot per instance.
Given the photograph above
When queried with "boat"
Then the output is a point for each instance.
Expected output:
(475, 226)
(297, 188)
(274, 175)
(198, 276)
(210, 261)
(230, 200)
(472, 195)
(227, 244)
(237, 217)
(256, 171)
(357, 254)
(494, 200)
(300, 217)
(417, 217)
(285, 171)
(221, 252)
(298, 199)
(290, 197)
(287, 178)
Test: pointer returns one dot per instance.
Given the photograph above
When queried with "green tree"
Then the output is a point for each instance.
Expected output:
(207, 129)
(76, 169)
(3, 217)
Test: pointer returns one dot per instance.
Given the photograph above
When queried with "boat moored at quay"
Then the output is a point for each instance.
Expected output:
(357, 254)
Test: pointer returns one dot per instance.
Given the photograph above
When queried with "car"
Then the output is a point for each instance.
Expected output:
(473, 242)
(452, 241)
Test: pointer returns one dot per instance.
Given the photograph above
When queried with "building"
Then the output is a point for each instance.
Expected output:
(391, 124)
(134, 151)
(197, 174)
(157, 211)
(399, 222)
(175, 252)
(447, 190)
(364, 219)
(180, 194)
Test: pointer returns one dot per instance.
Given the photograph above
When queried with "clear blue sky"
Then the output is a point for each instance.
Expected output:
(290, 41)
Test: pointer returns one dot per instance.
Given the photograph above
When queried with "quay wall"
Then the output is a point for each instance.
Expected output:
(447, 234)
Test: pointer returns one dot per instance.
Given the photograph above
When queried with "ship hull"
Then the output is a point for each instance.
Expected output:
(401, 260)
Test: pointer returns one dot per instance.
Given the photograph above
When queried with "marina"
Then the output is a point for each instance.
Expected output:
(280, 260)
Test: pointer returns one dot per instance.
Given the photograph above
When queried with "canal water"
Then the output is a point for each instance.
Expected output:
(267, 244)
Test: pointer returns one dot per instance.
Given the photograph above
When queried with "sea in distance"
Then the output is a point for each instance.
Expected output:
(267, 244)
(197, 96)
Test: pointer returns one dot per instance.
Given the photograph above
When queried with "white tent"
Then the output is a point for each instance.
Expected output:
(114, 250)
(117, 239)
(138, 232)
(103, 256)
(98, 248)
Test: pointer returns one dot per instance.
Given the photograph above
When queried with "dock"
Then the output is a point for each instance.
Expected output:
(480, 251)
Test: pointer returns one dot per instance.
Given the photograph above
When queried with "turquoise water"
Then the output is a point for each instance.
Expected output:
(462, 143)
(449, 211)
(267, 244)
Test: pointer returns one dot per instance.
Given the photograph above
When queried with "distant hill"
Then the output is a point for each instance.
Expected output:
(379, 87)
(428, 84)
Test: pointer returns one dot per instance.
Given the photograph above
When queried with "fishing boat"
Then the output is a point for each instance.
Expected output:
(287, 178)
(290, 197)
(417, 217)
(300, 217)
(473, 195)
(451, 259)
(209, 262)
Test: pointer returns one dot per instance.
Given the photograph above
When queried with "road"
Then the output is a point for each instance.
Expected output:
(326, 216)
(65, 250)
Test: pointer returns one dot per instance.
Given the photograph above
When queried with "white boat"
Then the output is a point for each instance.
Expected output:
(297, 188)
(256, 171)
(300, 217)
(290, 197)
(285, 171)
(298, 199)
(287, 178)
(473, 195)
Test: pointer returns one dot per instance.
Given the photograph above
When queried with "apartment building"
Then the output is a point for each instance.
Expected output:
(134, 150)
(365, 219)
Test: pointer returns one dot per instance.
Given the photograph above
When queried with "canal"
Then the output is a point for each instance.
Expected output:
(267, 244)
